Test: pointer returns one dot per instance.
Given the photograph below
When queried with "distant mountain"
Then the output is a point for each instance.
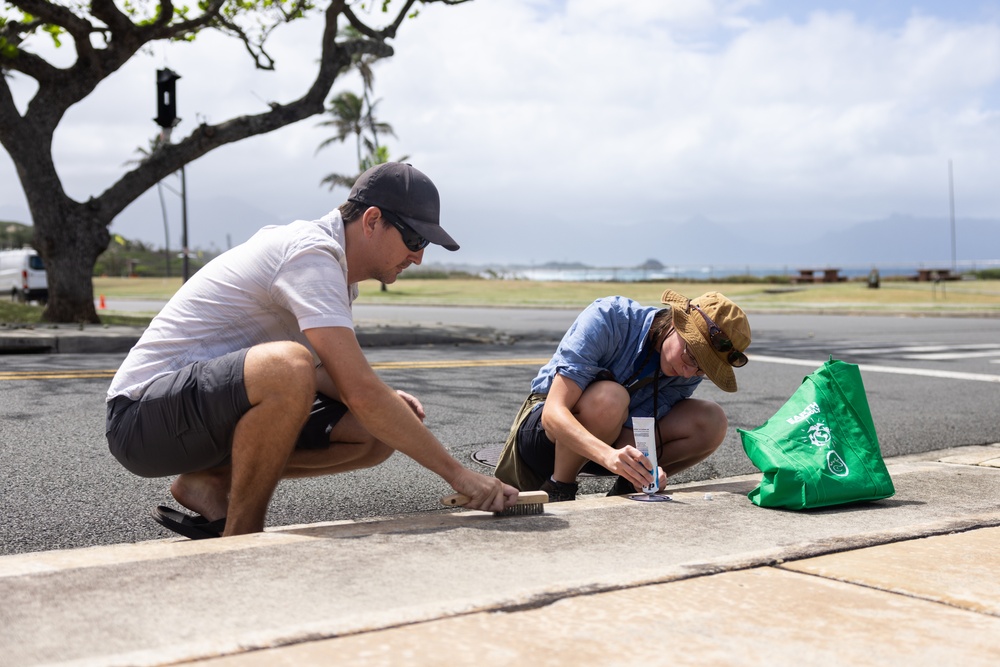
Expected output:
(896, 239)
(900, 239)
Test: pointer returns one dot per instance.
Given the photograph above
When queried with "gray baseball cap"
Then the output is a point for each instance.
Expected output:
(401, 189)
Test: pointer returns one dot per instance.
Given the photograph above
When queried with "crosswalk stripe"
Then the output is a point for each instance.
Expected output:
(950, 356)
(924, 348)
(872, 368)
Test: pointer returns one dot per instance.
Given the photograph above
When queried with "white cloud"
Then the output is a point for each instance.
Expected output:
(547, 122)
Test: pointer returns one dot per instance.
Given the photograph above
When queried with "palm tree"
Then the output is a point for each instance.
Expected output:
(348, 119)
(354, 115)
(364, 66)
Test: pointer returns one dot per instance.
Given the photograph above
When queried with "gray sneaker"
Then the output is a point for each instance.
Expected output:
(560, 491)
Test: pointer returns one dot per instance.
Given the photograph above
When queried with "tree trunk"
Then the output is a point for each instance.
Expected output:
(69, 237)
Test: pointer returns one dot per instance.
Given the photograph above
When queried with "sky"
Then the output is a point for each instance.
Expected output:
(593, 131)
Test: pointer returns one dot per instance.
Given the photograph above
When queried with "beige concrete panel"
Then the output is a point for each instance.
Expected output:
(986, 455)
(764, 616)
(958, 569)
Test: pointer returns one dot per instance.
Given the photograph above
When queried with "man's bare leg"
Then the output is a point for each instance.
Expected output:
(352, 447)
(280, 383)
(281, 386)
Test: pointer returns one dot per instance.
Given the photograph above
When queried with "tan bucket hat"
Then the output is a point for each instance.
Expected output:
(719, 359)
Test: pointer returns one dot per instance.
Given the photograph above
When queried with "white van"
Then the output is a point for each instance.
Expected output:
(22, 275)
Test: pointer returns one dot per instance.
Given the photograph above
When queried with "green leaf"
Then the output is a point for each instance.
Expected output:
(54, 31)
(8, 51)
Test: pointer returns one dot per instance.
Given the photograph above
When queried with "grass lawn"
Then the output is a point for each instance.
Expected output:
(957, 297)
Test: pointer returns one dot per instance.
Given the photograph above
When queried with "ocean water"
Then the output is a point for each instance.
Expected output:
(612, 274)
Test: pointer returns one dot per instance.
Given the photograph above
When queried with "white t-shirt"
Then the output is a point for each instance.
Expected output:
(282, 281)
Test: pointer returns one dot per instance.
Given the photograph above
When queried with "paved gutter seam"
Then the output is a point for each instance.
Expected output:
(892, 591)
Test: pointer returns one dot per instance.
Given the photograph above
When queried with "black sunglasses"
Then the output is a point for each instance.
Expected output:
(414, 242)
(719, 340)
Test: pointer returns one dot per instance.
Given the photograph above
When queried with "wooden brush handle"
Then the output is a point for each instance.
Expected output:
(523, 498)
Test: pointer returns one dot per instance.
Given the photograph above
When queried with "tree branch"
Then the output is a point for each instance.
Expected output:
(47, 13)
(387, 32)
(117, 21)
(256, 50)
(80, 81)
(50, 12)
(334, 58)
(163, 29)
(30, 65)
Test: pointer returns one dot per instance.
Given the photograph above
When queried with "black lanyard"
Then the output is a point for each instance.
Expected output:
(633, 386)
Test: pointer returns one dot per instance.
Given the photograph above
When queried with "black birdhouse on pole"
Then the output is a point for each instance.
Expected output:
(166, 98)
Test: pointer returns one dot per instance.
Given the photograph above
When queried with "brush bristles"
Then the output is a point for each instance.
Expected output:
(528, 502)
(524, 509)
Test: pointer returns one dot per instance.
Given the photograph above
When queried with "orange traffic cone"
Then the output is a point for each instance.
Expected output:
(102, 306)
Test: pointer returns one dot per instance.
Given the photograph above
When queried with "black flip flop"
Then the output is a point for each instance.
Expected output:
(194, 527)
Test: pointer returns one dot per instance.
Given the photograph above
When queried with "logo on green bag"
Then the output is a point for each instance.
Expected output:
(819, 434)
(809, 411)
(836, 464)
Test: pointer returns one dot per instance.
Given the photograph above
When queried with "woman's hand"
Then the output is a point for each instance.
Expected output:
(631, 464)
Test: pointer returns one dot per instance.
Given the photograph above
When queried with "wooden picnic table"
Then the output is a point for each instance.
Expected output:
(826, 275)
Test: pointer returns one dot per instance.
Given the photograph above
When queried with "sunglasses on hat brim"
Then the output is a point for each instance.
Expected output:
(720, 342)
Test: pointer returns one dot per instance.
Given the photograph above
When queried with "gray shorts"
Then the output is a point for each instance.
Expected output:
(185, 420)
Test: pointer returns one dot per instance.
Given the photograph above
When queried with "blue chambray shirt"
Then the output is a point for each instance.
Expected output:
(610, 334)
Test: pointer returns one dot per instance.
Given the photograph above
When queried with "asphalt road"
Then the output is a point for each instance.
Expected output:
(932, 383)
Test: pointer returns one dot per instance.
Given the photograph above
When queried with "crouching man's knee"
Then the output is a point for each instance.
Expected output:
(280, 370)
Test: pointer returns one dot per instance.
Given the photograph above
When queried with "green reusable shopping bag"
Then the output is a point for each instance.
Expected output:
(820, 448)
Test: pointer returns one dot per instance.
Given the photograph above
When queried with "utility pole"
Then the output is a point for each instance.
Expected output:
(166, 117)
(184, 225)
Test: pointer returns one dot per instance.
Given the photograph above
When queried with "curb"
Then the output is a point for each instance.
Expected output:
(119, 340)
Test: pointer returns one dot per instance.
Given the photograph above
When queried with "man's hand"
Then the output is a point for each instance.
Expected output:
(414, 404)
(488, 494)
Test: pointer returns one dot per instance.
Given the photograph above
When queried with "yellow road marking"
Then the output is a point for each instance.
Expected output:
(56, 375)
(380, 365)
(457, 363)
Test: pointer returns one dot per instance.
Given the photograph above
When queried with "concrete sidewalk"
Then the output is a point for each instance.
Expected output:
(707, 579)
